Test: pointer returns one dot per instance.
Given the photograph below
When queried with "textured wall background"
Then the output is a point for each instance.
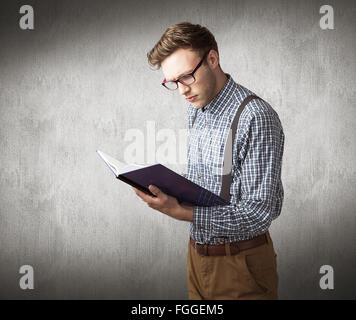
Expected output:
(80, 80)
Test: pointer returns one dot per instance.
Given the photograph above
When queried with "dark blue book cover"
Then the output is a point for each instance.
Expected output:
(165, 179)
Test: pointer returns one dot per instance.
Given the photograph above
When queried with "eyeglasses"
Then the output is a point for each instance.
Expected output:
(186, 79)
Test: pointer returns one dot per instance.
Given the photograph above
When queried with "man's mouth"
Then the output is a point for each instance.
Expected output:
(192, 98)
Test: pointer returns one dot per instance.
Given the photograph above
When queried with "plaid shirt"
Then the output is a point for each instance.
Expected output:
(256, 190)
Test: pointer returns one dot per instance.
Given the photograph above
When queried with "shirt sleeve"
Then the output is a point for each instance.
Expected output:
(255, 187)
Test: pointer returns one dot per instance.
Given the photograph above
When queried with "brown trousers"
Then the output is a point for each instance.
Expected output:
(250, 274)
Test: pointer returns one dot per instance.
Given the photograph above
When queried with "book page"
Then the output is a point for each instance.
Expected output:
(116, 166)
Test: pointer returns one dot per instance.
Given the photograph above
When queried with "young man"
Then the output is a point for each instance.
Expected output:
(230, 251)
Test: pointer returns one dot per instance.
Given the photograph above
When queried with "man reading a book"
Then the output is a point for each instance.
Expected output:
(230, 250)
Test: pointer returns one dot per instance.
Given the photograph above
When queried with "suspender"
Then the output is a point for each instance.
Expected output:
(227, 165)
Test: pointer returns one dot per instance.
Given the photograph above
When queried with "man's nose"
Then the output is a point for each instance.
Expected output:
(182, 88)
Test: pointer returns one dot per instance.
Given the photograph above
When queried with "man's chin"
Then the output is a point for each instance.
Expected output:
(198, 105)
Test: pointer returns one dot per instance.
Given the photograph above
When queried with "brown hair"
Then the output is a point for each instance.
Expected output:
(183, 35)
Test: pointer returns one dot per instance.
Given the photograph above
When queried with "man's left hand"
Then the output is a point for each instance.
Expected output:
(166, 204)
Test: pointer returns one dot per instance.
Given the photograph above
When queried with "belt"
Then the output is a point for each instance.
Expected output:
(235, 247)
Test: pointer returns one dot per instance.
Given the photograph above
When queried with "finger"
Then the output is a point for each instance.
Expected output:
(142, 195)
(155, 190)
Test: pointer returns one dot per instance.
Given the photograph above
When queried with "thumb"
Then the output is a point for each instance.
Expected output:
(156, 191)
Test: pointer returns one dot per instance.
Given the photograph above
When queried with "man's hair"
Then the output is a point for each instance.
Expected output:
(184, 35)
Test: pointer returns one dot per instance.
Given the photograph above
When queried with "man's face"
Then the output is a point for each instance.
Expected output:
(182, 62)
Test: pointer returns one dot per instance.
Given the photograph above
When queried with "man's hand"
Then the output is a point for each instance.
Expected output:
(166, 204)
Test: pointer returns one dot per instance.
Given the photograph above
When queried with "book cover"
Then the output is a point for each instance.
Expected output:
(165, 179)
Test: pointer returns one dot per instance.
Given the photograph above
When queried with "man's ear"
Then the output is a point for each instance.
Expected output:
(213, 59)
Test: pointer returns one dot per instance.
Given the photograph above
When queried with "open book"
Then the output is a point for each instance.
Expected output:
(165, 179)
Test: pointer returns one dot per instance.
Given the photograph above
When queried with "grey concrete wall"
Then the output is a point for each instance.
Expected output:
(80, 81)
